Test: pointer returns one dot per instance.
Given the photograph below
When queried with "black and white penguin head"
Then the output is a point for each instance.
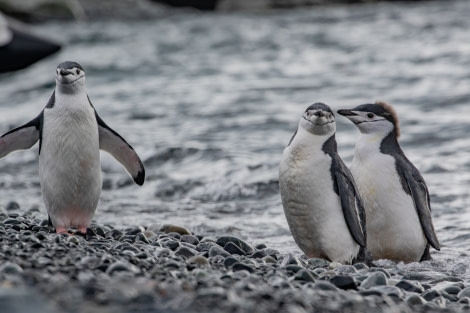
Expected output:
(70, 77)
(375, 118)
(318, 119)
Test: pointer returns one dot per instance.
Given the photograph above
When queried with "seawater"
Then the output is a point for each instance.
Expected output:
(209, 101)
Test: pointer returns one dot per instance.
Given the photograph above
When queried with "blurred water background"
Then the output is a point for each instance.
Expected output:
(209, 101)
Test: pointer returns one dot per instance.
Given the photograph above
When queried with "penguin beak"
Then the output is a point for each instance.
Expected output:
(346, 113)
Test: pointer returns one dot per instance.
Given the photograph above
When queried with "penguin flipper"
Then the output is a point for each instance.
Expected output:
(112, 142)
(420, 195)
(20, 138)
(350, 203)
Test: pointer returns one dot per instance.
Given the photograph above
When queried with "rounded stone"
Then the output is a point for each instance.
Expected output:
(410, 286)
(269, 259)
(242, 267)
(190, 239)
(229, 261)
(170, 228)
(464, 293)
(216, 250)
(198, 260)
(431, 294)
(324, 285)
(414, 299)
(317, 262)
(343, 282)
(223, 240)
(258, 254)
(374, 279)
(232, 248)
(118, 266)
(304, 275)
(10, 268)
(185, 252)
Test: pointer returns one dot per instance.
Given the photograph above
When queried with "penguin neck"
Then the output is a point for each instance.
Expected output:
(372, 143)
(70, 94)
(306, 144)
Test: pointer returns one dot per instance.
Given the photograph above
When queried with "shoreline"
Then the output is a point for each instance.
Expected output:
(143, 269)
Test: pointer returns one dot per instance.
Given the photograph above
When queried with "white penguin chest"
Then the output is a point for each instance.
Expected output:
(70, 141)
(393, 226)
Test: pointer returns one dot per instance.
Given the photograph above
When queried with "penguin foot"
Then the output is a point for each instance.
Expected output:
(82, 230)
(62, 230)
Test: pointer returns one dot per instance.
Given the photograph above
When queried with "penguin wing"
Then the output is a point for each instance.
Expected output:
(20, 138)
(351, 202)
(112, 142)
(420, 194)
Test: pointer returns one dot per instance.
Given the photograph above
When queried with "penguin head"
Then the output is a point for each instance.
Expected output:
(375, 118)
(318, 119)
(70, 77)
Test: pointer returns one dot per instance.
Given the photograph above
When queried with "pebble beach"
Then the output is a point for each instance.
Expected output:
(167, 268)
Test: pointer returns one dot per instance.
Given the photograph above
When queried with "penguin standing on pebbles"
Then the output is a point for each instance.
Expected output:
(322, 206)
(395, 195)
(70, 135)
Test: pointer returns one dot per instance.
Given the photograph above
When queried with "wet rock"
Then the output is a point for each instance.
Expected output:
(198, 260)
(343, 282)
(304, 275)
(374, 279)
(12, 206)
(170, 228)
(190, 239)
(410, 286)
(10, 268)
(216, 250)
(242, 267)
(258, 254)
(316, 262)
(185, 252)
(431, 294)
(245, 247)
(414, 299)
(229, 261)
(464, 293)
(120, 266)
(232, 248)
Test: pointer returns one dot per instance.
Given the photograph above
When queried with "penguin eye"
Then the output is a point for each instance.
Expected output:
(78, 71)
(370, 115)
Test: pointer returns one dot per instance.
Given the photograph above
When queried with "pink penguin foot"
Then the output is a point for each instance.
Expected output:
(62, 230)
(82, 229)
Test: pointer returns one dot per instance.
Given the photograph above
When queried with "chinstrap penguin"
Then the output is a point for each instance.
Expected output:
(395, 196)
(70, 135)
(322, 206)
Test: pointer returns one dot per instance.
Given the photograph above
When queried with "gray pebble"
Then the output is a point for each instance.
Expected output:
(118, 266)
(190, 239)
(10, 268)
(317, 262)
(304, 275)
(223, 240)
(414, 299)
(216, 250)
(464, 293)
(229, 261)
(232, 248)
(198, 260)
(170, 228)
(431, 294)
(374, 279)
(242, 267)
(185, 252)
(410, 286)
(343, 282)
